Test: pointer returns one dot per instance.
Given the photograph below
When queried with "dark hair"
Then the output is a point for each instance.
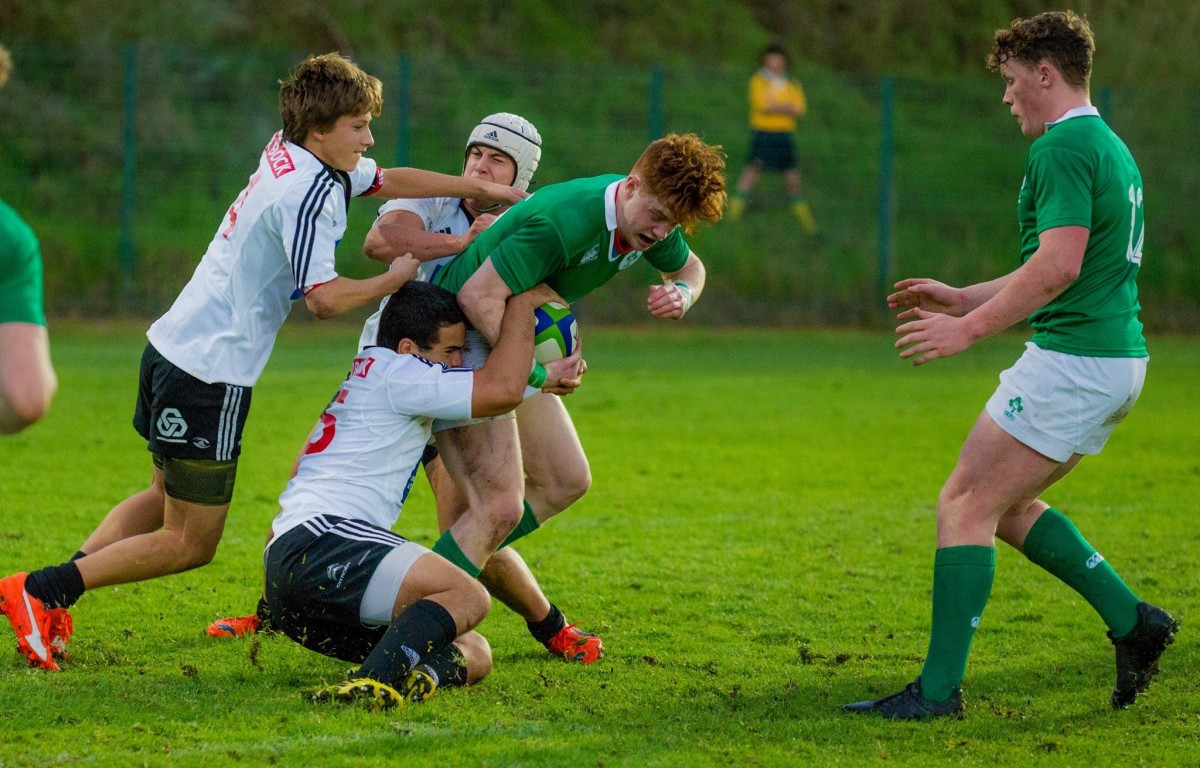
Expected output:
(418, 311)
(323, 89)
(1063, 37)
(775, 48)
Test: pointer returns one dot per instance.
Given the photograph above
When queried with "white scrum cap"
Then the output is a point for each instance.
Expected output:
(514, 136)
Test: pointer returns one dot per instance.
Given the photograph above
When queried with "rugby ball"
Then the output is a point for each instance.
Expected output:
(555, 332)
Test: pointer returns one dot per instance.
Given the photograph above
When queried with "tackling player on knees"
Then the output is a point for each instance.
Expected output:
(503, 148)
(274, 247)
(338, 581)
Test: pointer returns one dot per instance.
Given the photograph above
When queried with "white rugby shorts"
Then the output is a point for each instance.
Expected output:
(1060, 404)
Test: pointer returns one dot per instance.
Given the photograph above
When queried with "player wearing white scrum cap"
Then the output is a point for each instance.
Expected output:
(514, 136)
(504, 148)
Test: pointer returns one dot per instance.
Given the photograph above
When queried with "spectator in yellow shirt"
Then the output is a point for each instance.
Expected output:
(776, 102)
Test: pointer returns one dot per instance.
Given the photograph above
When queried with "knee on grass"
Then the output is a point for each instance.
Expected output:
(477, 655)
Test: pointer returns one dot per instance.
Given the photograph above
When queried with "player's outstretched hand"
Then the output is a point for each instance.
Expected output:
(930, 335)
(929, 295)
(405, 265)
(565, 375)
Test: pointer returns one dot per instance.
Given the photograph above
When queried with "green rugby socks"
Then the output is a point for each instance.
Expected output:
(1055, 544)
(448, 548)
(529, 523)
(962, 583)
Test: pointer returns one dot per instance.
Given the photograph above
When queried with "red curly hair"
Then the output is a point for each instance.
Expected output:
(687, 175)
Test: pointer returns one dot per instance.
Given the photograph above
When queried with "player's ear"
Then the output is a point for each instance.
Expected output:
(633, 183)
(408, 347)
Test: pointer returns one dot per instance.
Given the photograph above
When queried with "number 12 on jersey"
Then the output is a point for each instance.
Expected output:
(1134, 252)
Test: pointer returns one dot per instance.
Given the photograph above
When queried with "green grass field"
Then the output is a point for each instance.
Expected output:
(755, 551)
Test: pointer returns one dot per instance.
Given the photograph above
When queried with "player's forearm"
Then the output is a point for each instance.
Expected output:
(500, 384)
(386, 242)
(973, 296)
(415, 182)
(1021, 293)
(343, 294)
(692, 275)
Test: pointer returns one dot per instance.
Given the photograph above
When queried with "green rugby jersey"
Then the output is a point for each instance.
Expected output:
(563, 235)
(1080, 173)
(20, 271)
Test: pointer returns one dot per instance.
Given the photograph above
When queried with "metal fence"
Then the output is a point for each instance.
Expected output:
(125, 159)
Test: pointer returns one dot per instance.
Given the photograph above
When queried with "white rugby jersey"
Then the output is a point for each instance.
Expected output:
(275, 244)
(443, 215)
(362, 455)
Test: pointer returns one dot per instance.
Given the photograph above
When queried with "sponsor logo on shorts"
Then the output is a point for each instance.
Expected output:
(1094, 560)
(337, 572)
(1014, 407)
(201, 442)
(975, 621)
(171, 426)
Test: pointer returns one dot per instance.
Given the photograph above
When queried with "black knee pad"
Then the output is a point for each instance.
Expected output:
(199, 481)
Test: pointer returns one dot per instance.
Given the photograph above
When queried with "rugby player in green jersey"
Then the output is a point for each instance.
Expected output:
(1080, 217)
(573, 236)
(27, 380)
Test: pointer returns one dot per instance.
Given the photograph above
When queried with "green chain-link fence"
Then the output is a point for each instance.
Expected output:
(125, 159)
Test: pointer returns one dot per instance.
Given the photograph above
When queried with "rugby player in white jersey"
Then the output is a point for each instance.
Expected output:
(504, 148)
(338, 581)
(274, 247)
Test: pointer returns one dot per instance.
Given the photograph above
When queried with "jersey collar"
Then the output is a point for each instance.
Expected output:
(610, 205)
(1086, 111)
(618, 245)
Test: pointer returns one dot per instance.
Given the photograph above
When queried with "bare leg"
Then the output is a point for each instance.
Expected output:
(557, 474)
(485, 462)
(748, 179)
(433, 578)
(140, 513)
(188, 539)
(791, 179)
(511, 582)
(27, 380)
(556, 469)
(996, 475)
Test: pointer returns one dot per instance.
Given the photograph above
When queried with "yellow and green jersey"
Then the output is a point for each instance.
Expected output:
(1080, 173)
(767, 89)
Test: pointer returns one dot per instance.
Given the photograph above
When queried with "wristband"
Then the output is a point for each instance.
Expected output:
(685, 290)
(537, 377)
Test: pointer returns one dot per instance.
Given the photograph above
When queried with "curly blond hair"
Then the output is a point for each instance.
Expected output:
(1063, 37)
(322, 89)
(687, 175)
